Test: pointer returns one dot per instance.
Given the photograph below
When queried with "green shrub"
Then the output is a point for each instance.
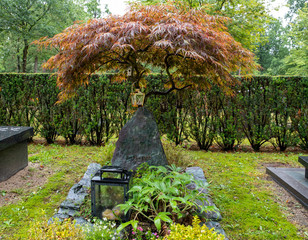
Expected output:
(262, 108)
(226, 120)
(254, 108)
(194, 232)
(201, 120)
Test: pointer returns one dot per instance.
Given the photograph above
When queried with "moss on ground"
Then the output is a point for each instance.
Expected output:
(244, 196)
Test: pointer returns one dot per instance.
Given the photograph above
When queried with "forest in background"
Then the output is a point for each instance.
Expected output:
(280, 49)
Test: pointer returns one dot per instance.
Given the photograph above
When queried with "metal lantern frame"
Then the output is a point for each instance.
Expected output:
(137, 98)
(98, 180)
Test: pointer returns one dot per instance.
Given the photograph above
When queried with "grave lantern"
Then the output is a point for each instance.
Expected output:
(109, 188)
(137, 98)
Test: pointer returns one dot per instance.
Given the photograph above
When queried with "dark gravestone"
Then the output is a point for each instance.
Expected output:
(13, 150)
(293, 180)
(304, 161)
(139, 142)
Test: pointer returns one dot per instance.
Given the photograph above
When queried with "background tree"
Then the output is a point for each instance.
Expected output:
(271, 53)
(294, 6)
(93, 8)
(297, 62)
(22, 22)
(182, 43)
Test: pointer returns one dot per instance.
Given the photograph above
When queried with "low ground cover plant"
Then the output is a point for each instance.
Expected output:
(195, 231)
(65, 230)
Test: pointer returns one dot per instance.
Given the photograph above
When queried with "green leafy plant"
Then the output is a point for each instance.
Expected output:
(160, 196)
(178, 231)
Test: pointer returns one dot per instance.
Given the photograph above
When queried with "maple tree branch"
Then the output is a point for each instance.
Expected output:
(145, 49)
(167, 91)
(167, 69)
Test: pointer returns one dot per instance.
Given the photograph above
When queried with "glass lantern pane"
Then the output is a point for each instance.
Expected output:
(139, 99)
(133, 99)
(107, 197)
(111, 175)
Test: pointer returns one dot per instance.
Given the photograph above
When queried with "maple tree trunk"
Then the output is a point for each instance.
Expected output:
(24, 55)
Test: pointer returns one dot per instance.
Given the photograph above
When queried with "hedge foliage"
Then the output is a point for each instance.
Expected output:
(261, 109)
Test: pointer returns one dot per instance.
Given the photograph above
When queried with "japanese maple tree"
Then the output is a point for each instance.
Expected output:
(191, 47)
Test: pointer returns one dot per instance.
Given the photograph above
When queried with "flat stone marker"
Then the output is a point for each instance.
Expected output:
(293, 180)
(13, 150)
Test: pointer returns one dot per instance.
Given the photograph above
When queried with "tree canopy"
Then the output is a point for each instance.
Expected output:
(297, 62)
(249, 17)
(22, 21)
(184, 44)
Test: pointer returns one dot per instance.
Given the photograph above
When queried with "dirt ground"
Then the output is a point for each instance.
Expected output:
(22, 183)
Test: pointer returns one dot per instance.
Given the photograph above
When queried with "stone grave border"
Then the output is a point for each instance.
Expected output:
(70, 207)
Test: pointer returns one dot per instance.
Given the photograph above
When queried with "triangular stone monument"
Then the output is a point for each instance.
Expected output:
(139, 142)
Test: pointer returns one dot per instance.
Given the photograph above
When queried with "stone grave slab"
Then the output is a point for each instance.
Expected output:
(293, 180)
(13, 150)
(304, 161)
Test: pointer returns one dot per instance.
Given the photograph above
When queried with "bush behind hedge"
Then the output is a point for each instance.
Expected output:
(261, 109)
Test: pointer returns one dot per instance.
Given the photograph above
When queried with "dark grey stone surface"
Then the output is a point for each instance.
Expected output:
(71, 205)
(68, 211)
(198, 175)
(139, 142)
(217, 227)
(9, 135)
(81, 221)
(212, 216)
(304, 161)
(13, 150)
(293, 180)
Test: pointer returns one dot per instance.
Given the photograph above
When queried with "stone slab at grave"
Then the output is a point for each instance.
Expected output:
(304, 161)
(139, 142)
(13, 150)
(293, 180)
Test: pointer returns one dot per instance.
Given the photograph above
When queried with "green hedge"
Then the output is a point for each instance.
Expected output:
(262, 109)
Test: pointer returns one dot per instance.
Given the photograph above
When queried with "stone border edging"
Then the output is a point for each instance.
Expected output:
(212, 216)
(71, 205)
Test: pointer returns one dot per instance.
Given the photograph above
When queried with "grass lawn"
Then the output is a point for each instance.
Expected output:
(239, 187)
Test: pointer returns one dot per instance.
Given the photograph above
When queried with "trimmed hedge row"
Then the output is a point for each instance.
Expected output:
(263, 109)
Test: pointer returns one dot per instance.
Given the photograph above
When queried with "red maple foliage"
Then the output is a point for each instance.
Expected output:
(184, 43)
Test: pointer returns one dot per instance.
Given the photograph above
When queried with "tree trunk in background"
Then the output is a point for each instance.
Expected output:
(18, 58)
(35, 64)
(24, 55)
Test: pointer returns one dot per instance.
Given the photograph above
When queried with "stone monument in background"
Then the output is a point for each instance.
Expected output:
(13, 150)
(139, 142)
